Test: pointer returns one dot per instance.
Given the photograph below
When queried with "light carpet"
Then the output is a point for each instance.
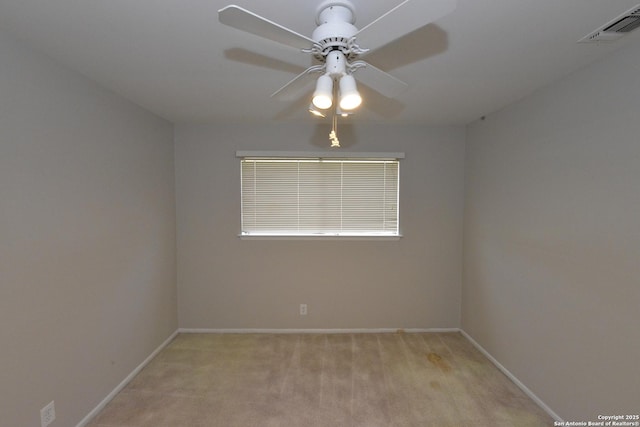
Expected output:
(321, 380)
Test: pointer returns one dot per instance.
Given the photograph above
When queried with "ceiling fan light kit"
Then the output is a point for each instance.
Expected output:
(336, 71)
(323, 95)
(335, 44)
(350, 99)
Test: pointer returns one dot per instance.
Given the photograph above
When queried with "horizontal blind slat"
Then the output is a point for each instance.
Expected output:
(316, 196)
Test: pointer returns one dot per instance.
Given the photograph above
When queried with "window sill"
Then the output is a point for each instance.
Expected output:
(316, 237)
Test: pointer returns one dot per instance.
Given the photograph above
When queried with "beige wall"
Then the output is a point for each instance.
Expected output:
(552, 239)
(87, 239)
(225, 282)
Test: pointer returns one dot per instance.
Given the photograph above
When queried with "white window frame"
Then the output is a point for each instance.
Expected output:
(295, 155)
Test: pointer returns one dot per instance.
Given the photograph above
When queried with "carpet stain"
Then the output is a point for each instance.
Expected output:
(435, 385)
(438, 361)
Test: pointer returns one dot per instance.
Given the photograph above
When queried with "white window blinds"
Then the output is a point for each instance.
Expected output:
(308, 197)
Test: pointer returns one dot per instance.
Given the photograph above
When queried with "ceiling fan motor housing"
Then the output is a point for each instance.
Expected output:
(335, 21)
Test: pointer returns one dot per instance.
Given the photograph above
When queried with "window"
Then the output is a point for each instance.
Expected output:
(328, 196)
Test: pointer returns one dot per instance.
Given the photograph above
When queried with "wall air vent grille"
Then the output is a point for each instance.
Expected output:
(616, 28)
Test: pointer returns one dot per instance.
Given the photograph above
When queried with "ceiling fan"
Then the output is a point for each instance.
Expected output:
(339, 46)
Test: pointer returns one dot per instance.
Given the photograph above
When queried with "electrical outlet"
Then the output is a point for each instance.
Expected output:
(48, 414)
(303, 309)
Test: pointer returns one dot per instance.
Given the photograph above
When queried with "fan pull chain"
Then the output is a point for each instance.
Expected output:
(333, 136)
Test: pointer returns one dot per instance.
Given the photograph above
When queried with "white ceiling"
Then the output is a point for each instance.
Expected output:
(175, 59)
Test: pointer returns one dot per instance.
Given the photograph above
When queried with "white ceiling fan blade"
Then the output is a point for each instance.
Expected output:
(293, 89)
(245, 20)
(408, 16)
(380, 81)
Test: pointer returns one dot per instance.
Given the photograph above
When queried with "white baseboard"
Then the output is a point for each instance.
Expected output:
(124, 382)
(513, 378)
(313, 331)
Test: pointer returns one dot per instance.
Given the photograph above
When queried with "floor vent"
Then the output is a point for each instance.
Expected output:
(613, 30)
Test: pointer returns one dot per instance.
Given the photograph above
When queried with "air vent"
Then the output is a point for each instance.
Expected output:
(613, 30)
